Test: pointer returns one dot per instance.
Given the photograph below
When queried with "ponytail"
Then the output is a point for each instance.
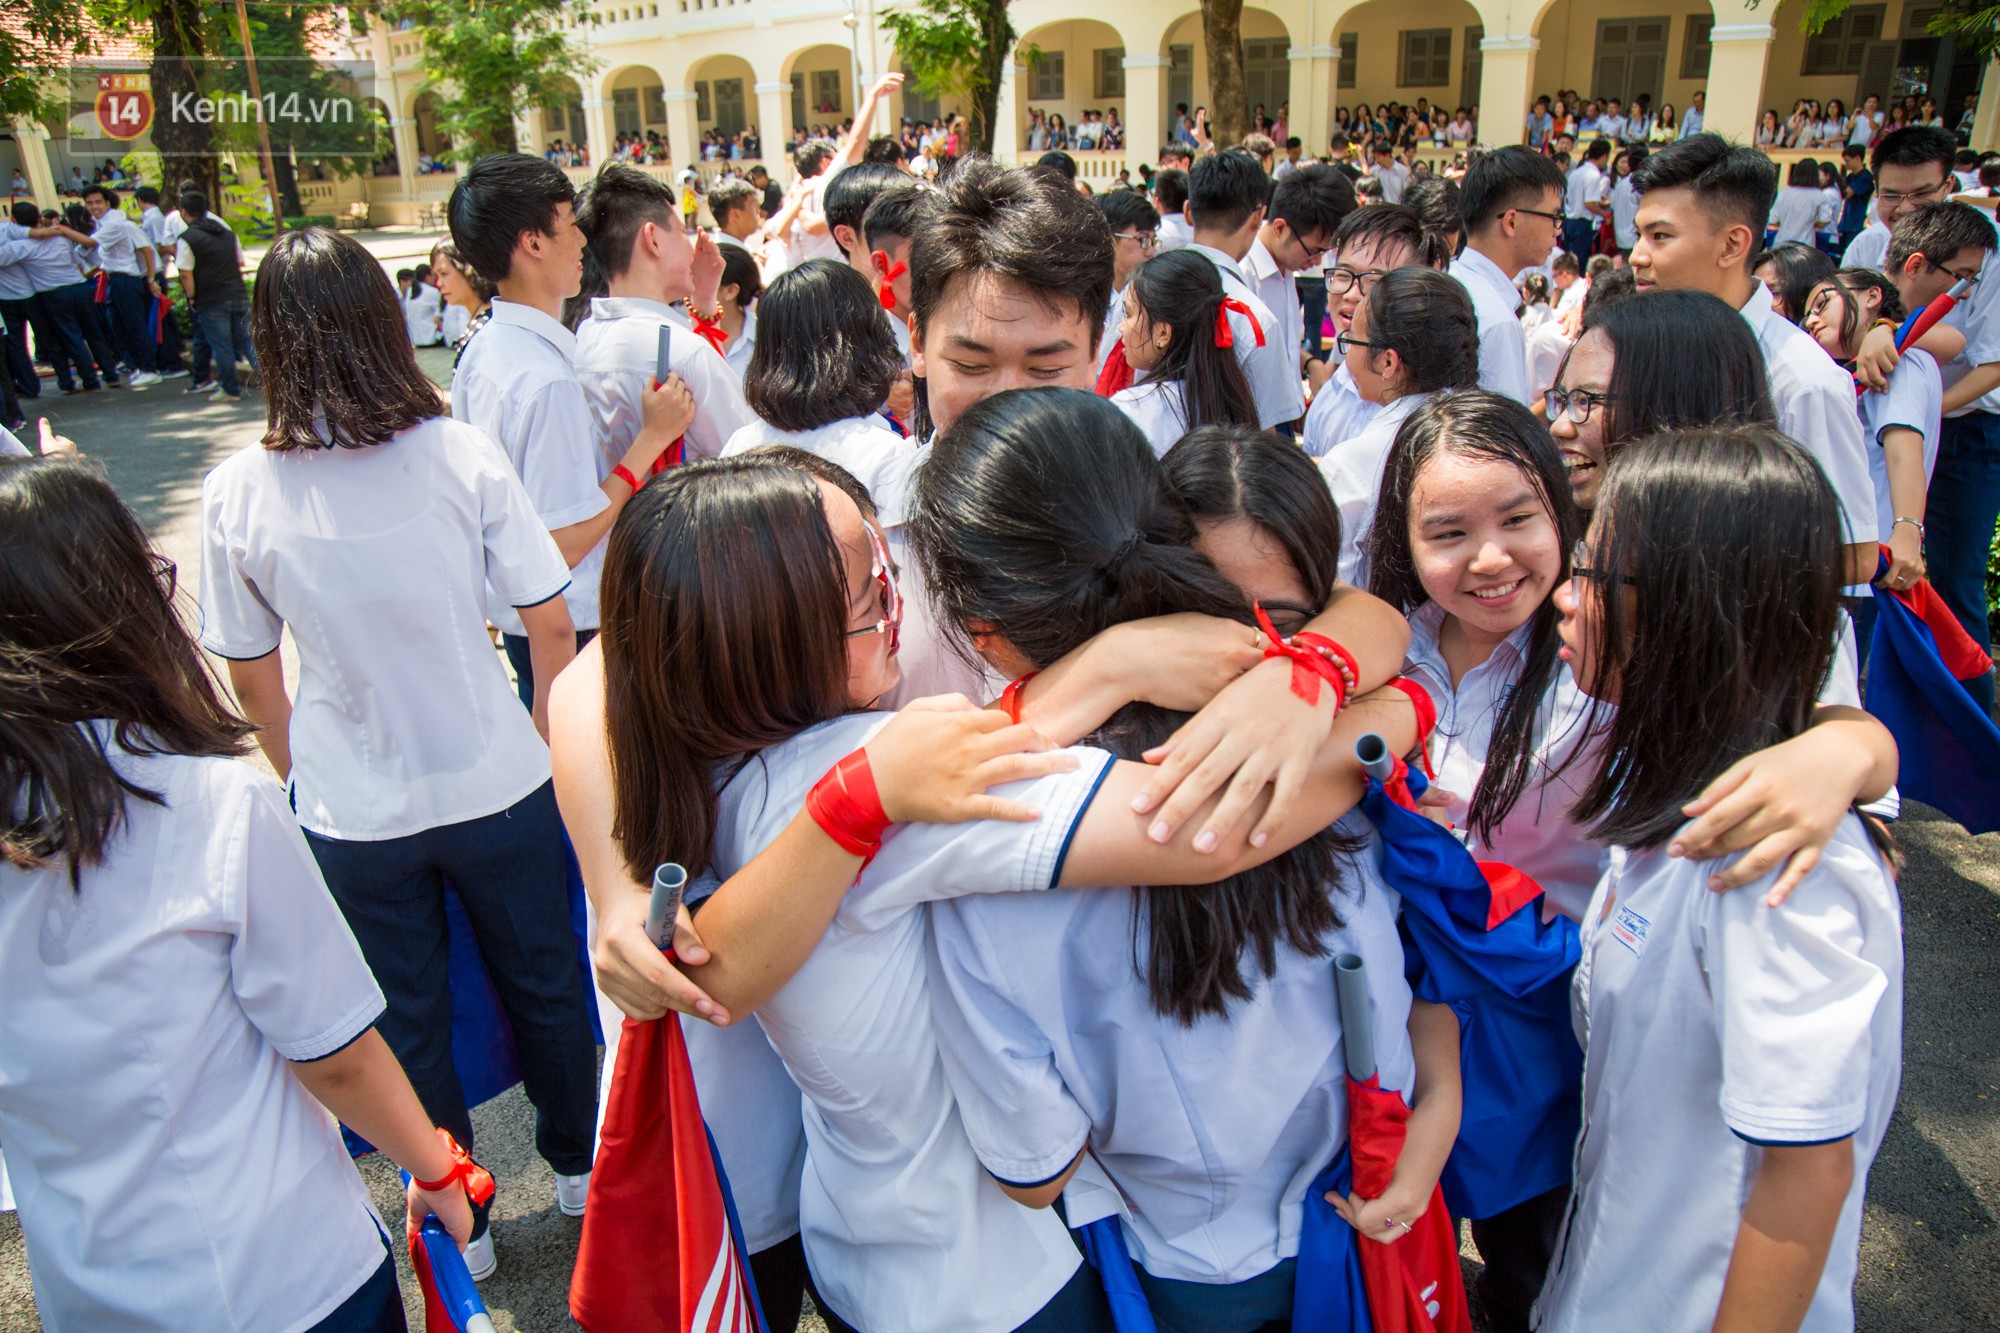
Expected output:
(1182, 290)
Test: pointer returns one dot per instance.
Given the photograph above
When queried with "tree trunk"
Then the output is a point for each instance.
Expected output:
(187, 146)
(287, 180)
(1228, 104)
(997, 63)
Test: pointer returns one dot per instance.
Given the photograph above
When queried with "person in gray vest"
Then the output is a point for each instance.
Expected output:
(210, 260)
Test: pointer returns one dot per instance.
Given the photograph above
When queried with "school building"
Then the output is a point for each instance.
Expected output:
(682, 67)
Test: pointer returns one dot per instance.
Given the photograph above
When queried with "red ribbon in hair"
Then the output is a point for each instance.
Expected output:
(1309, 665)
(1225, 336)
(887, 292)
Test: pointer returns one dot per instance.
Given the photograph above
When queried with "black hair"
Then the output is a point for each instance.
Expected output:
(1796, 269)
(1914, 146)
(1061, 163)
(1293, 141)
(503, 197)
(1315, 199)
(1597, 148)
(882, 150)
(1128, 208)
(1728, 538)
(191, 201)
(147, 194)
(616, 203)
(25, 213)
(1044, 513)
(1170, 187)
(894, 213)
(848, 194)
(1426, 318)
(1731, 183)
(808, 157)
(1183, 291)
(1681, 360)
(1487, 426)
(1938, 232)
(405, 274)
(1225, 188)
(1804, 173)
(110, 195)
(1851, 282)
(1511, 177)
(1391, 225)
(727, 196)
(1435, 201)
(739, 266)
(1617, 285)
(824, 352)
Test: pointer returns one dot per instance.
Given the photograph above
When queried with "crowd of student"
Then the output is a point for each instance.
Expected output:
(761, 517)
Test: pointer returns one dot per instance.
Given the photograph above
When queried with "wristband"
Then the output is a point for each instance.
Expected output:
(624, 474)
(1311, 663)
(1427, 718)
(1010, 698)
(848, 809)
(1913, 523)
(478, 1181)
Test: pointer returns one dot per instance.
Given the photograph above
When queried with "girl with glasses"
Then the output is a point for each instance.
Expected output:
(1178, 340)
(1726, 1086)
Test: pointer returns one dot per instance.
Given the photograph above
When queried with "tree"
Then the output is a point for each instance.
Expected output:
(37, 44)
(182, 35)
(1975, 26)
(488, 59)
(1228, 102)
(958, 48)
(319, 114)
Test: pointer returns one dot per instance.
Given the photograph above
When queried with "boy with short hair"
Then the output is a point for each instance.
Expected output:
(1228, 194)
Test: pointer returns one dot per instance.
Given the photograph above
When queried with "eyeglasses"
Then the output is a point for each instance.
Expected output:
(1345, 341)
(1313, 253)
(1341, 281)
(1558, 217)
(1577, 403)
(1146, 240)
(1580, 553)
(1892, 198)
(1953, 273)
(883, 572)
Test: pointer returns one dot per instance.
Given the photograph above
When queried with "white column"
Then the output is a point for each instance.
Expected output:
(1738, 53)
(597, 130)
(1506, 88)
(1145, 89)
(1986, 118)
(1006, 122)
(683, 131)
(1313, 70)
(774, 127)
(404, 131)
(33, 142)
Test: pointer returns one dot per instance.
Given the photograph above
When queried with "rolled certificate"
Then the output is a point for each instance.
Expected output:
(1376, 761)
(1357, 1035)
(668, 883)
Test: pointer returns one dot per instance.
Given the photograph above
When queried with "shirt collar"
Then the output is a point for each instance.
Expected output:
(1480, 266)
(1221, 259)
(1757, 311)
(1427, 624)
(627, 307)
(550, 331)
(1260, 263)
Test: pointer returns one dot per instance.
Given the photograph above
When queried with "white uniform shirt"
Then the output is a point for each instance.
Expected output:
(1624, 214)
(902, 1228)
(1978, 318)
(1537, 837)
(515, 381)
(736, 354)
(1211, 1132)
(1586, 186)
(1114, 315)
(805, 245)
(1395, 179)
(1353, 470)
(1338, 412)
(1546, 348)
(423, 309)
(1795, 214)
(1175, 231)
(1914, 400)
(617, 354)
(171, 1171)
(1159, 409)
(1272, 369)
(162, 230)
(1279, 292)
(865, 446)
(380, 560)
(1712, 1024)
(454, 320)
(1503, 347)
(119, 241)
(1869, 248)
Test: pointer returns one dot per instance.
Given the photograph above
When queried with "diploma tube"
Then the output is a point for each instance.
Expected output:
(1357, 1034)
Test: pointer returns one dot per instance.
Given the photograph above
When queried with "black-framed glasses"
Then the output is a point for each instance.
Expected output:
(1953, 273)
(1558, 217)
(1347, 340)
(1341, 281)
(1577, 404)
(1579, 554)
(1147, 240)
(884, 574)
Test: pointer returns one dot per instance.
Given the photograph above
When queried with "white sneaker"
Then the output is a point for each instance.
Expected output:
(571, 1192)
(144, 378)
(174, 374)
(480, 1260)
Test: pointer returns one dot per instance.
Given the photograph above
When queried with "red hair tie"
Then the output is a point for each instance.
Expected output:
(1010, 698)
(1313, 660)
(887, 293)
(847, 807)
(1225, 336)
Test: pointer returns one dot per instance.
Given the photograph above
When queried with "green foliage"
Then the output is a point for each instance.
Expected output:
(281, 35)
(1975, 25)
(310, 220)
(30, 66)
(488, 59)
(958, 48)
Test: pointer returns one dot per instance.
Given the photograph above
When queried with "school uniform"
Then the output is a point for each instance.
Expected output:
(1503, 347)
(813, 209)
(1338, 412)
(737, 354)
(1586, 186)
(423, 309)
(1869, 248)
(453, 321)
(411, 762)
(1625, 215)
(1913, 401)
(1159, 409)
(1353, 472)
(1965, 502)
(1795, 214)
(1175, 231)
(1395, 179)
(617, 358)
(171, 1172)
(1272, 369)
(1114, 315)
(1209, 1133)
(902, 1228)
(517, 382)
(1714, 1027)
(1279, 292)
(128, 298)
(865, 446)
(1547, 345)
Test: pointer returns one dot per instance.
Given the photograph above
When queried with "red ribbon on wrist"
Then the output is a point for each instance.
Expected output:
(1309, 666)
(848, 809)
(718, 337)
(1225, 336)
(1010, 698)
(1427, 718)
(478, 1181)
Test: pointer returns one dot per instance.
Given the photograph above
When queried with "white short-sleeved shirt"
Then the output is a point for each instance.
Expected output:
(1338, 412)
(1211, 1132)
(1586, 186)
(1546, 348)
(813, 209)
(119, 241)
(1279, 292)
(617, 354)
(1272, 369)
(1913, 400)
(1712, 1024)
(1353, 471)
(381, 560)
(1625, 214)
(171, 1172)
(422, 311)
(1978, 318)
(1814, 400)
(1175, 231)
(1537, 837)
(1503, 347)
(1395, 179)
(1795, 214)
(517, 383)
(1869, 248)
(865, 446)
(1159, 409)
(901, 1228)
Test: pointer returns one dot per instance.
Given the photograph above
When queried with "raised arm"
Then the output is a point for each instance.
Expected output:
(850, 149)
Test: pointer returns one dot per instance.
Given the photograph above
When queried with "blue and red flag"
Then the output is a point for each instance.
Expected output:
(1950, 748)
(451, 1300)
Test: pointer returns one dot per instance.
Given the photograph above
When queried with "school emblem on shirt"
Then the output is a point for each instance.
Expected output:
(1629, 929)
(124, 104)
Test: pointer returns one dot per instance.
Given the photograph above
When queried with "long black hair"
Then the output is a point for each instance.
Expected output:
(1045, 514)
(1183, 291)
(1727, 539)
(1473, 423)
(1426, 318)
(89, 643)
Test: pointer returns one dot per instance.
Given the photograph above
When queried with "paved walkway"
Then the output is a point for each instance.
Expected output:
(1930, 1249)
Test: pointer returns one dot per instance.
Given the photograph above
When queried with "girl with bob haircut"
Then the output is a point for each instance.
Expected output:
(1175, 318)
(380, 530)
(1659, 361)
(822, 365)
(186, 1003)
(1415, 335)
(1736, 1089)
(921, 1237)
(1791, 270)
